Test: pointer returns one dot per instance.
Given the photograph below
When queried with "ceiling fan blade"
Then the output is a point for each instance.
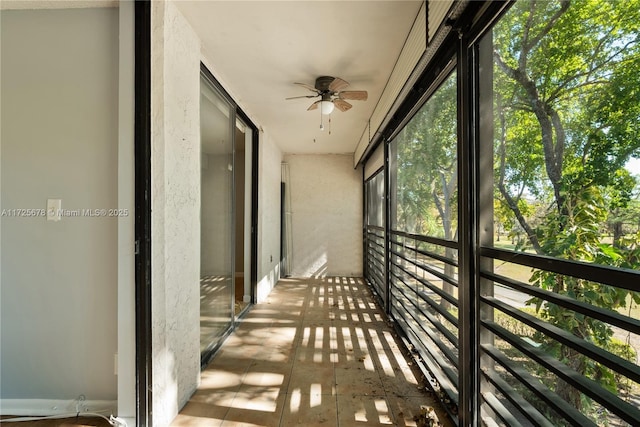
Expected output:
(303, 96)
(314, 106)
(311, 88)
(356, 95)
(337, 84)
(341, 105)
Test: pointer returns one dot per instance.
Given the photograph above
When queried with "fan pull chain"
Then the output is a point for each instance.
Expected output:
(329, 124)
(321, 125)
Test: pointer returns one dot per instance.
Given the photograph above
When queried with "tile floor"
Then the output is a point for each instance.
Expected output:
(317, 353)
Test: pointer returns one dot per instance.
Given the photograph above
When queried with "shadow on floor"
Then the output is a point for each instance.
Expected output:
(318, 352)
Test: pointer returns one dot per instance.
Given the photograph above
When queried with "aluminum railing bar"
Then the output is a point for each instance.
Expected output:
(526, 408)
(373, 255)
(451, 280)
(433, 255)
(376, 236)
(440, 368)
(450, 298)
(376, 250)
(429, 254)
(497, 406)
(437, 324)
(608, 316)
(375, 230)
(436, 306)
(552, 399)
(428, 239)
(428, 269)
(377, 271)
(614, 404)
(372, 252)
(587, 348)
(453, 340)
(376, 282)
(612, 276)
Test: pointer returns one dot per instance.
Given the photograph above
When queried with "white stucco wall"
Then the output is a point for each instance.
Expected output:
(175, 220)
(269, 179)
(60, 141)
(326, 215)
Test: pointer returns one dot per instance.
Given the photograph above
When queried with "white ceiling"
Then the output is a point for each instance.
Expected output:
(258, 49)
(55, 4)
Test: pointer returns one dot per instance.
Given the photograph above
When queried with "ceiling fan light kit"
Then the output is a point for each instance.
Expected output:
(326, 107)
(331, 93)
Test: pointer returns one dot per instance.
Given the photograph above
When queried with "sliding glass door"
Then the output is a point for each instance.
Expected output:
(217, 122)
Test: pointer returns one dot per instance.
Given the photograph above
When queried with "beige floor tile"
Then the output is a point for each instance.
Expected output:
(239, 349)
(358, 381)
(314, 410)
(200, 415)
(310, 378)
(221, 380)
(256, 407)
(268, 373)
(216, 397)
(358, 411)
(318, 353)
(277, 354)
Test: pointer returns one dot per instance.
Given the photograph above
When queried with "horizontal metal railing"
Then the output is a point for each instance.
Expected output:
(375, 260)
(606, 276)
(423, 286)
(425, 311)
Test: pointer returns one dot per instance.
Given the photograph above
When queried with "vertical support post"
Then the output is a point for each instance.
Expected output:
(365, 213)
(467, 317)
(483, 89)
(142, 154)
(255, 162)
(387, 224)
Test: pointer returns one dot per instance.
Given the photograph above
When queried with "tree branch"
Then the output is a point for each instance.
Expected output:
(564, 5)
(513, 204)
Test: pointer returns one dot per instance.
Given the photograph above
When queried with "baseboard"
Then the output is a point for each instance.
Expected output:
(46, 407)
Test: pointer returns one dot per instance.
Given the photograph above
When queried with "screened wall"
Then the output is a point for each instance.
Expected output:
(375, 234)
(512, 246)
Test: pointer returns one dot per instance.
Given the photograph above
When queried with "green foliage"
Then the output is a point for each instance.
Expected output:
(567, 119)
(513, 325)
(426, 187)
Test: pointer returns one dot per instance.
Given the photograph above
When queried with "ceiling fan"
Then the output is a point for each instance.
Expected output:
(331, 93)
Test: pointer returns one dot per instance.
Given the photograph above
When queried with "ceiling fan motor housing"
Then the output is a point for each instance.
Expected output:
(323, 82)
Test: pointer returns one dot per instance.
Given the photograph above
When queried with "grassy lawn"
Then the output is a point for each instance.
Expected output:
(522, 274)
(513, 271)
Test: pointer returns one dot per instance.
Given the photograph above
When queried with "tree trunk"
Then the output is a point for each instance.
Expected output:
(617, 234)
(567, 392)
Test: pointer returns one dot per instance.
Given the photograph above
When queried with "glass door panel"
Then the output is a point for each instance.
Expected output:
(242, 189)
(217, 121)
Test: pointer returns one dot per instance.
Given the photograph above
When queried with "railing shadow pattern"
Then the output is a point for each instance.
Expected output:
(317, 352)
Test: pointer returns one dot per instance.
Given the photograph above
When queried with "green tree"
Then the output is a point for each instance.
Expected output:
(567, 84)
(427, 187)
(427, 167)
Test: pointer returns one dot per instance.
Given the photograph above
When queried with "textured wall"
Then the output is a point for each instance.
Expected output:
(326, 206)
(59, 140)
(175, 210)
(269, 180)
